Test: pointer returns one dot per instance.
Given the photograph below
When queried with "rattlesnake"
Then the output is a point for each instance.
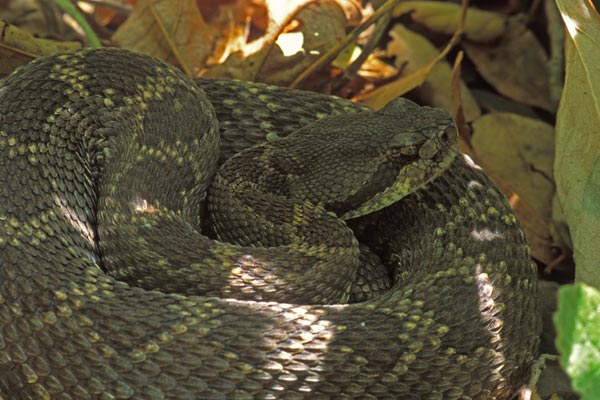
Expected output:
(460, 321)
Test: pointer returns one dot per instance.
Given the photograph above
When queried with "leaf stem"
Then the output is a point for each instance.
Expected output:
(72, 11)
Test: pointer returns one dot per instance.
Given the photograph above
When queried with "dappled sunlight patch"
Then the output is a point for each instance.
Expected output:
(76, 220)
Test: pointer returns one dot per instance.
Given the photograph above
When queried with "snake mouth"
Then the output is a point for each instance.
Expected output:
(411, 178)
(414, 169)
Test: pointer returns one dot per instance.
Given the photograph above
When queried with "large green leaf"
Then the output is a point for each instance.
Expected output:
(578, 324)
(577, 159)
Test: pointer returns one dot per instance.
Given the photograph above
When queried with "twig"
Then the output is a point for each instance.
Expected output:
(19, 51)
(380, 28)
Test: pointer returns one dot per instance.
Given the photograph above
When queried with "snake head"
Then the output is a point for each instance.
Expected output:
(418, 144)
(352, 164)
(385, 155)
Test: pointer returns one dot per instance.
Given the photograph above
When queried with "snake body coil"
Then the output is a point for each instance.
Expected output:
(89, 142)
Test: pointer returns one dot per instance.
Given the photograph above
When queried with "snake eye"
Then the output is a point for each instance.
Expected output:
(448, 135)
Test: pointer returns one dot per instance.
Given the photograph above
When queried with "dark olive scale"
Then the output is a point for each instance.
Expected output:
(105, 161)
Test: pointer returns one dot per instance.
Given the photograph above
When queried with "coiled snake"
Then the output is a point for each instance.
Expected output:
(105, 157)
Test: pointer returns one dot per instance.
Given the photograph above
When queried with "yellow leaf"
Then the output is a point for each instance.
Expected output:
(18, 47)
(577, 160)
(480, 26)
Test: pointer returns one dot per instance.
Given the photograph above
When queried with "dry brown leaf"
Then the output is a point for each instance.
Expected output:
(27, 15)
(412, 51)
(179, 36)
(577, 162)
(520, 152)
(480, 26)
(18, 47)
(490, 101)
(516, 67)
(320, 25)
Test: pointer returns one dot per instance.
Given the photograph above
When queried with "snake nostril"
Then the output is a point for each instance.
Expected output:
(447, 135)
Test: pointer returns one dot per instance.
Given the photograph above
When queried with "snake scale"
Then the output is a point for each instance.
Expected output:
(109, 291)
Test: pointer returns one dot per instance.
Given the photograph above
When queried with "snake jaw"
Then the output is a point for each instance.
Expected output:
(410, 178)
